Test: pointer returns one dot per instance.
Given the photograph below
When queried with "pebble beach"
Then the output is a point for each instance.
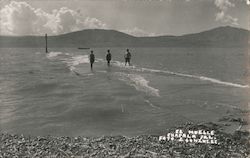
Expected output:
(230, 145)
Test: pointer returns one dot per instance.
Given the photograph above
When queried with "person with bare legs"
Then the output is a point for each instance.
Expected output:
(108, 57)
(91, 59)
(127, 57)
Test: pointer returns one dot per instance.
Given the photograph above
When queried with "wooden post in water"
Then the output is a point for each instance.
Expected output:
(46, 42)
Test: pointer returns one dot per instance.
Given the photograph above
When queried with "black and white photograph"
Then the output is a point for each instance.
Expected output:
(125, 78)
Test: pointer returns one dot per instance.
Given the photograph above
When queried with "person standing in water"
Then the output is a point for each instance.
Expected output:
(127, 57)
(108, 57)
(91, 59)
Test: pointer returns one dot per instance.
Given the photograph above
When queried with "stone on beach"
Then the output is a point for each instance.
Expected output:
(230, 145)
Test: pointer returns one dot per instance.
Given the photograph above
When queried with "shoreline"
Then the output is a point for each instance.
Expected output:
(229, 145)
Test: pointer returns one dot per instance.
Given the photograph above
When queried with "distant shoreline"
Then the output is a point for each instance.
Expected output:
(218, 37)
(125, 47)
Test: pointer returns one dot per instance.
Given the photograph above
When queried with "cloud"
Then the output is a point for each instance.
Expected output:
(222, 15)
(20, 18)
(137, 32)
(66, 20)
(223, 4)
(226, 18)
(17, 18)
(248, 2)
(93, 23)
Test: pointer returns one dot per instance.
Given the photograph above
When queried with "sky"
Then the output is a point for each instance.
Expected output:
(134, 17)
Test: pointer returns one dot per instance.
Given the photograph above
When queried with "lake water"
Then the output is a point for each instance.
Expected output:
(58, 94)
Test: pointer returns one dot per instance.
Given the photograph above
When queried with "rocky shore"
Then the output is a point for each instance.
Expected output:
(234, 145)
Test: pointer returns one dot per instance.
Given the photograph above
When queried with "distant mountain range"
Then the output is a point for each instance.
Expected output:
(218, 37)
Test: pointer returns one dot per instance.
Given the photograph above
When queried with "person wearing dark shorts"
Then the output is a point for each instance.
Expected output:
(91, 59)
(127, 57)
(108, 57)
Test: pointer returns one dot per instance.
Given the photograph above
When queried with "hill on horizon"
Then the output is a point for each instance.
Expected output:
(225, 36)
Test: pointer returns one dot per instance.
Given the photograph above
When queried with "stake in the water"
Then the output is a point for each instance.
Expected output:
(46, 42)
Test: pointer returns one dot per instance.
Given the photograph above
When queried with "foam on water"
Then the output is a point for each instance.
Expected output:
(76, 60)
(122, 65)
(102, 71)
(139, 82)
(53, 54)
(151, 104)
(80, 59)
(203, 78)
(222, 82)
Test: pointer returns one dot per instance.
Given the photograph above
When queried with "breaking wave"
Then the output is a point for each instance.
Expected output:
(76, 60)
(53, 54)
(203, 78)
(139, 82)
(81, 59)
(122, 65)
